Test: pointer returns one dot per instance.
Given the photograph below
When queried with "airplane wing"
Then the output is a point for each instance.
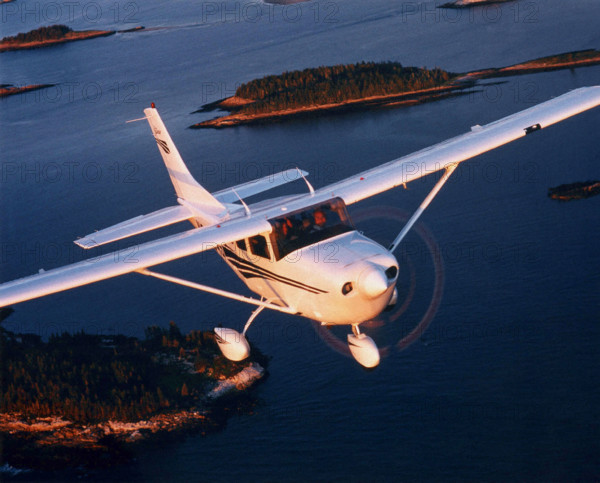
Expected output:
(353, 189)
(130, 260)
(479, 140)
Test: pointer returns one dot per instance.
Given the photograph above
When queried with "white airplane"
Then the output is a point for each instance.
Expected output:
(270, 245)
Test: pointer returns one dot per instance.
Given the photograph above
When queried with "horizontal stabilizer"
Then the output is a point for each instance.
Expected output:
(258, 185)
(135, 226)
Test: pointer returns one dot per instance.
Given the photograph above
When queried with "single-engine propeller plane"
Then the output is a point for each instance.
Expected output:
(270, 244)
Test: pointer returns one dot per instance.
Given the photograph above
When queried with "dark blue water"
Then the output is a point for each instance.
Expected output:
(504, 382)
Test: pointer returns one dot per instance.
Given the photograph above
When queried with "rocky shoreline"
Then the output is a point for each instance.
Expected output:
(53, 443)
(8, 44)
(575, 191)
(471, 3)
(535, 66)
(391, 100)
(10, 90)
(90, 401)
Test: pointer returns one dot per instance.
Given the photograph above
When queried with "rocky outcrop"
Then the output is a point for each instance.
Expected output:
(575, 191)
(53, 443)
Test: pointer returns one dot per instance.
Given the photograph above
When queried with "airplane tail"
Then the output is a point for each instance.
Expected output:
(186, 187)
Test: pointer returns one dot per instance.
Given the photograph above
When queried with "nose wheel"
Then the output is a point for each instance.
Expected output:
(363, 348)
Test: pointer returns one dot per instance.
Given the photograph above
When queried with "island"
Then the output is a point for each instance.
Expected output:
(10, 90)
(575, 191)
(53, 35)
(82, 400)
(285, 2)
(568, 60)
(364, 85)
(334, 88)
(471, 3)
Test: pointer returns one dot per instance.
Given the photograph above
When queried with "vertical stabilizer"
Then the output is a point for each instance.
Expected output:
(186, 187)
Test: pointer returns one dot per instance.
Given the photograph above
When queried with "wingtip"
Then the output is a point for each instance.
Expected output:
(85, 243)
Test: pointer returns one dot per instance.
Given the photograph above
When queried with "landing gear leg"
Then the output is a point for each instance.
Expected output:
(255, 312)
(363, 348)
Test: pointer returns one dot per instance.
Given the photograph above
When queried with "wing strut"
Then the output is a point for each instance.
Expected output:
(422, 207)
(216, 291)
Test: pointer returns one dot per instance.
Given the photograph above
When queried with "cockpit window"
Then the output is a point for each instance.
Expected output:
(317, 223)
(258, 246)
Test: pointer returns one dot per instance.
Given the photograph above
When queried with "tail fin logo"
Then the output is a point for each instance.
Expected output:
(163, 145)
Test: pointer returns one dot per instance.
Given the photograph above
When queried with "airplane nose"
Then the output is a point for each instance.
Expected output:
(373, 282)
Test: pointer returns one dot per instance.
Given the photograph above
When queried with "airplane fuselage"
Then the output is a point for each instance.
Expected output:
(329, 273)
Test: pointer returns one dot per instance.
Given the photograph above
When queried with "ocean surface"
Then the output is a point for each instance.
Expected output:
(502, 282)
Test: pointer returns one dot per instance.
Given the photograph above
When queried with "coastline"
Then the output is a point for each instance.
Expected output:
(53, 443)
(470, 4)
(8, 90)
(99, 399)
(456, 86)
(575, 191)
(390, 100)
(532, 67)
(74, 36)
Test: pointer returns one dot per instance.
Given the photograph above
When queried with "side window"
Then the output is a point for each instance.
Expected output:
(258, 246)
(241, 244)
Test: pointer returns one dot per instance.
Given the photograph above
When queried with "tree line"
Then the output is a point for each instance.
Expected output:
(335, 84)
(91, 378)
(52, 32)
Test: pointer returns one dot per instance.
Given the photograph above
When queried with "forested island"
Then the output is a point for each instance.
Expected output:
(10, 90)
(575, 191)
(333, 85)
(364, 85)
(52, 35)
(471, 3)
(87, 400)
(339, 87)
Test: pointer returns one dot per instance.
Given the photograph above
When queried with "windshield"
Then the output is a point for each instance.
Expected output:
(312, 225)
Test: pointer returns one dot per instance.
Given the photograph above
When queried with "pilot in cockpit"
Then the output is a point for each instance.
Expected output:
(320, 220)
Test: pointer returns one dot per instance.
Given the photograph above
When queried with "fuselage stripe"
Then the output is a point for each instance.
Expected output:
(251, 274)
(249, 269)
(260, 272)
